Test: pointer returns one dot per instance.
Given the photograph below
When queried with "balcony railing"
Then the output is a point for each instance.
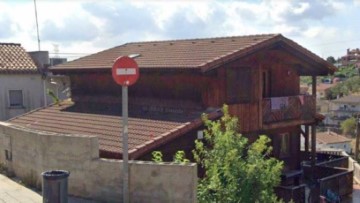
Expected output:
(291, 193)
(277, 109)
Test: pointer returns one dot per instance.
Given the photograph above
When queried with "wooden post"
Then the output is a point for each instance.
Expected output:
(307, 141)
(313, 85)
(313, 145)
(357, 138)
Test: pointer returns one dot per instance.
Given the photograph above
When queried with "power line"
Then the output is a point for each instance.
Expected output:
(71, 53)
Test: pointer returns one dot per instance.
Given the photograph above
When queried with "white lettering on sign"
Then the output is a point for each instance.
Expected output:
(125, 71)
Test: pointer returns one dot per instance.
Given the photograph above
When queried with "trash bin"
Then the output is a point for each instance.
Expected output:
(55, 186)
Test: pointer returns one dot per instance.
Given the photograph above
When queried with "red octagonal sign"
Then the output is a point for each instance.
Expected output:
(125, 71)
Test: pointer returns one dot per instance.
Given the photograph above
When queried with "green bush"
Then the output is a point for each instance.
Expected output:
(235, 171)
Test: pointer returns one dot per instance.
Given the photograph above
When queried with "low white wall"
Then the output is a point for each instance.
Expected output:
(100, 179)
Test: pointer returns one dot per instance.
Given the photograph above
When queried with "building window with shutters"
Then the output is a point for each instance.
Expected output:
(16, 99)
(238, 85)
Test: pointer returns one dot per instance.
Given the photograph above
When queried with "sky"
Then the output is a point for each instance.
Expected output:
(77, 28)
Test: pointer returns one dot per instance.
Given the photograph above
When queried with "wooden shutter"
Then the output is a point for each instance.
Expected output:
(238, 85)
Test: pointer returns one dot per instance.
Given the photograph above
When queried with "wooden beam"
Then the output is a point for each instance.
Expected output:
(307, 141)
(260, 72)
(283, 124)
(313, 145)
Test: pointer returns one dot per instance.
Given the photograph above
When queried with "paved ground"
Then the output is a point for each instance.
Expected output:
(13, 192)
(355, 197)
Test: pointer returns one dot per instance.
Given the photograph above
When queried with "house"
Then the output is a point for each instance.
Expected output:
(21, 84)
(332, 140)
(342, 109)
(351, 57)
(322, 89)
(258, 76)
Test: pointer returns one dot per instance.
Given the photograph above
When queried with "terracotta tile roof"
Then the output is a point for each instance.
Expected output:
(144, 134)
(331, 138)
(14, 59)
(352, 99)
(204, 54)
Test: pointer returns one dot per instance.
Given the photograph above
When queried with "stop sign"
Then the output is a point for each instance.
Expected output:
(125, 71)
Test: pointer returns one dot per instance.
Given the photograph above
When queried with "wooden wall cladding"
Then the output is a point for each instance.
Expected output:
(248, 115)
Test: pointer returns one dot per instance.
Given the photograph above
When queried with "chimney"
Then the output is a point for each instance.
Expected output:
(328, 131)
(41, 58)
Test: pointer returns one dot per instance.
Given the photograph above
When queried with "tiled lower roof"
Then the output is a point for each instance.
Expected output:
(331, 138)
(144, 134)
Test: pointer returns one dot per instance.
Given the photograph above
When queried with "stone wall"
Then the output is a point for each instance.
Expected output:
(27, 153)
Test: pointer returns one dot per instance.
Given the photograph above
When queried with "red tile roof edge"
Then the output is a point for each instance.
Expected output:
(170, 135)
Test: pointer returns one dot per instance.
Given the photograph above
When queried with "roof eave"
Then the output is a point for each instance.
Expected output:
(170, 135)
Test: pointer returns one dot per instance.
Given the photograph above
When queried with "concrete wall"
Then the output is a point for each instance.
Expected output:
(32, 88)
(100, 179)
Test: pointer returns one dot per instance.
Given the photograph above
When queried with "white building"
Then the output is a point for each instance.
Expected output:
(342, 109)
(332, 140)
(21, 84)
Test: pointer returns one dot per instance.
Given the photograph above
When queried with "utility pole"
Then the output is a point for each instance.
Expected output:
(37, 25)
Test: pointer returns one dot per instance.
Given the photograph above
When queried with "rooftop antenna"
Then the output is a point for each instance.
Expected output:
(37, 25)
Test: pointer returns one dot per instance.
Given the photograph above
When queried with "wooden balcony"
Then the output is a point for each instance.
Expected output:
(300, 108)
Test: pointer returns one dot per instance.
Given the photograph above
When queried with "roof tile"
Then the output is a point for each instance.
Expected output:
(144, 133)
(14, 59)
(331, 138)
(174, 53)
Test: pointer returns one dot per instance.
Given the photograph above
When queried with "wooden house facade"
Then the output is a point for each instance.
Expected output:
(259, 80)
(258, 76)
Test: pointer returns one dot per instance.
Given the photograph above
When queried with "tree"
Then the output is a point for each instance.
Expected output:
(331, 59)
(352, 85)
(235, 171)
(348, 126)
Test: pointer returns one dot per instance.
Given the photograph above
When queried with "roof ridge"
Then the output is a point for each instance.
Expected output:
(206, 38)
(10, 43)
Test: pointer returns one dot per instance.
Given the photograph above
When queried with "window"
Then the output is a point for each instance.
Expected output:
(285, 145)
(16, 98)
(238, 85)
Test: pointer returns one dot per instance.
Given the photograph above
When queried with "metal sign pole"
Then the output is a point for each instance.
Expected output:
(125, 144)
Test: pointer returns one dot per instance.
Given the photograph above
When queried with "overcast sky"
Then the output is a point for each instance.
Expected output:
(325, 27)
